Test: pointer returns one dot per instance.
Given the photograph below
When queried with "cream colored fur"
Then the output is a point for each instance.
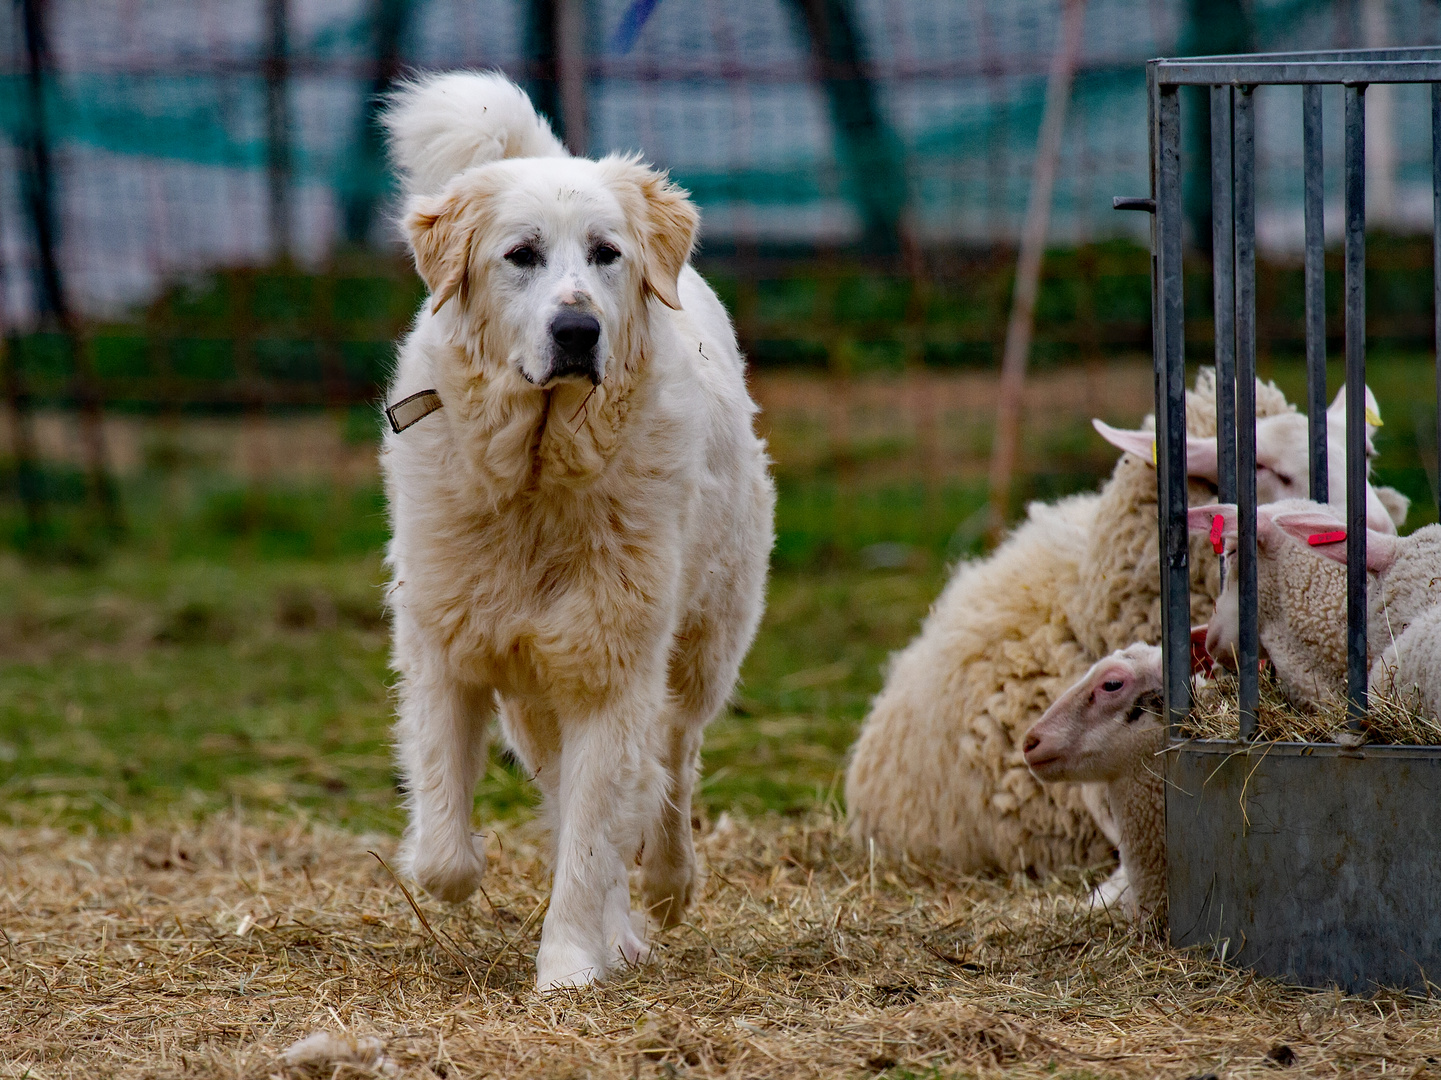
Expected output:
(938, 773)
(587, 560)
(1107, 730)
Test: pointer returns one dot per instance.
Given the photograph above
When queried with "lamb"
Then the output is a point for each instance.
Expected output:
(1410, 667)
(1301, 599)
(937, 773)
(1107, 729)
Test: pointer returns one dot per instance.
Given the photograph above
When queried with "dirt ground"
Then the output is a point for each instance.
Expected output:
(209, 951)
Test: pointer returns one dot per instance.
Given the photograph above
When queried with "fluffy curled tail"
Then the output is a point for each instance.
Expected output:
(440, 125)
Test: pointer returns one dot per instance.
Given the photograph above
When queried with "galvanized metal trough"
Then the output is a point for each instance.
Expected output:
(1316, 863)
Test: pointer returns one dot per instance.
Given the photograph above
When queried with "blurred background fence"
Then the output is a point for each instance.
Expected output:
(195, 218)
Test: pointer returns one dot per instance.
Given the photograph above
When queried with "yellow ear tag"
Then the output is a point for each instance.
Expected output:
(1153, 451)
(1373, 417)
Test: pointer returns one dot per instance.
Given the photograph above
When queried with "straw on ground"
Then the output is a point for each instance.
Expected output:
(209, 952)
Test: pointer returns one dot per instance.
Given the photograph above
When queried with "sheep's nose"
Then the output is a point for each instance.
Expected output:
(575, 332)
(1032, 741)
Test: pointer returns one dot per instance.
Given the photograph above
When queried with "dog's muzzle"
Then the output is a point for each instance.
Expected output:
(574, 336)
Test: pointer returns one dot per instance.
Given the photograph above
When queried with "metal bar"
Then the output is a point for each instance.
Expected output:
(1171, 411)
(1436, 259)
(1356, 403)
(1223, 287)
(278, 126)
(1190, 73)
(1384, 53)
(1315, 290)
(42, 203)
(1244, 127)
(1158, 361)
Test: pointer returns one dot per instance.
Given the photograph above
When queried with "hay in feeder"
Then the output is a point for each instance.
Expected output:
(1391, 718)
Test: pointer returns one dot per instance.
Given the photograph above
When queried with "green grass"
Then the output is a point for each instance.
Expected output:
(232, 651)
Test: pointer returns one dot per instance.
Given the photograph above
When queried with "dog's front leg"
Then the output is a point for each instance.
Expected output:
(608, 784)
(441, 744)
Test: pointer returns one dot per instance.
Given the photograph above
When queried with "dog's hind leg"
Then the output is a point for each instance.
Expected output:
(668, 870)
(441, 745)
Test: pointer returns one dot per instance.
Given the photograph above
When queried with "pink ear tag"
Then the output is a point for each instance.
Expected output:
(1218, 523)
(1317, 539)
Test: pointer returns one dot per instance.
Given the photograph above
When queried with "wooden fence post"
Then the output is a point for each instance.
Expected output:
(1028, 265)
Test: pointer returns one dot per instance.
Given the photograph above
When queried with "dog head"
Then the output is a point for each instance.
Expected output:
(551, 262)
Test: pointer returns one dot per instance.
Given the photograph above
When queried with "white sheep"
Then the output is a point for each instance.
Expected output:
(1107, 729)
(1403, 601)
(1301, 598)
(1282, 446)
(938, 774)
(1410, 666)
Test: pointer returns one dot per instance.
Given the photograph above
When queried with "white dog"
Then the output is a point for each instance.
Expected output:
(581, 532)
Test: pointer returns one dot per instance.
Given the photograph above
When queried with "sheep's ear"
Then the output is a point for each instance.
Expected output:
(441, 233)
(1202, 519)
(1305, 524)
(1142, 443)
(1326, 536)
(1336, 412)
(1200, 452)
(1201, 459)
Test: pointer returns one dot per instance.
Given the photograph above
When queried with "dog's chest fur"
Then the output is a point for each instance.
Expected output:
(554, 586)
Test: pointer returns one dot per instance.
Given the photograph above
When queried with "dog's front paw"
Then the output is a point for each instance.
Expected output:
(449, 871)
(627, 943)
(624, 931)
(564, 964)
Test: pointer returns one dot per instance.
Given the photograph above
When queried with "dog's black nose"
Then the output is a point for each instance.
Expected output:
(575, 333)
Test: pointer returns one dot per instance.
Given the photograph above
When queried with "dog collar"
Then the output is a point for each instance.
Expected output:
(412, 410)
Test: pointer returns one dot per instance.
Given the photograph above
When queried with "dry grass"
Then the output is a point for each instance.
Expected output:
(207, 953)
(1390, 717)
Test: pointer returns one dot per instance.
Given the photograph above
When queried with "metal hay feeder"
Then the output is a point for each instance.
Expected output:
(1315, 863)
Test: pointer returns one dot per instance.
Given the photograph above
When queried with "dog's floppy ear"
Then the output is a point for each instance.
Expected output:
(441, 232)
(671, 225)
(666, 225)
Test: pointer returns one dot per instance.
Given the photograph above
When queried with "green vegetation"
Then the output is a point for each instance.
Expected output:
(233, 650)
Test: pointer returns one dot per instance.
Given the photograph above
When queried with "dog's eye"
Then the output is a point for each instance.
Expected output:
(522, 255)
(1112, 685)
(605, 254)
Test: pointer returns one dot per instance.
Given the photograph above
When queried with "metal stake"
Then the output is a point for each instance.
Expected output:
(1356, 608)
(1315, 291)
(1247, 662)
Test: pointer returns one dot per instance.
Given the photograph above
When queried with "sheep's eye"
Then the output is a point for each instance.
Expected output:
(522, 255)
(605, 254)
(1112, 685)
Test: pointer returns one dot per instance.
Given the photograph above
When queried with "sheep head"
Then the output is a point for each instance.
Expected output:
(1104, 726)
